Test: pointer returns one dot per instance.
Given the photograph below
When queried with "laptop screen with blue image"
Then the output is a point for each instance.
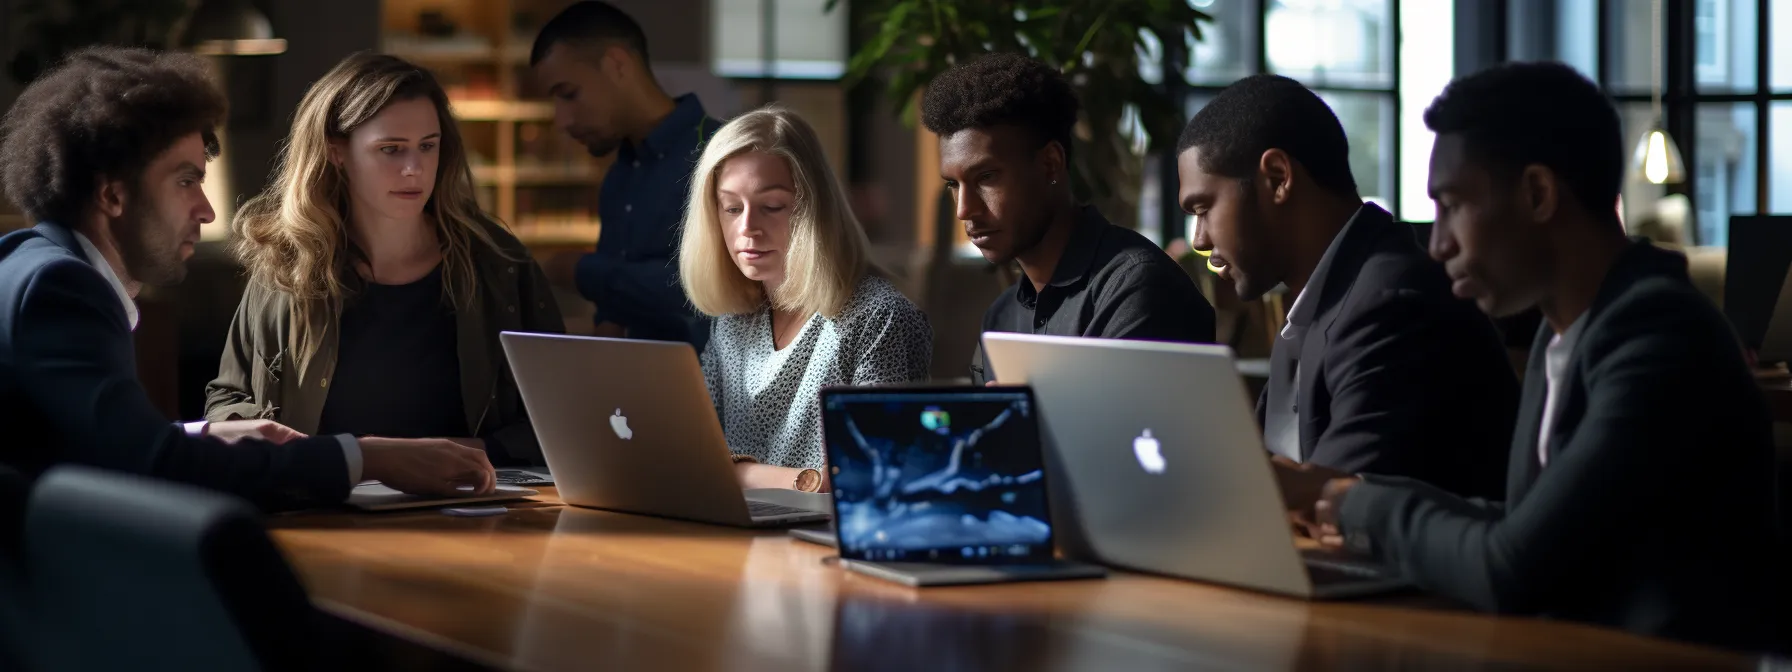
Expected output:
(937, 475)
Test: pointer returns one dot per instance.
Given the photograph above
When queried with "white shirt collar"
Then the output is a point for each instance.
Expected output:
(99, 261)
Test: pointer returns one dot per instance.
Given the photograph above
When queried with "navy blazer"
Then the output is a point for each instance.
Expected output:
(1397, 375)
(1656, 513)
(69, 390)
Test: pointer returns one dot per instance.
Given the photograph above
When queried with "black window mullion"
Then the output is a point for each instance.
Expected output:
(1602, 39)
(1679, 98)
(1393, 38)
(1762, 86)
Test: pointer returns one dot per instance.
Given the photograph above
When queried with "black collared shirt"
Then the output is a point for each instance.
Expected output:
(632, 277)
(1110, 283)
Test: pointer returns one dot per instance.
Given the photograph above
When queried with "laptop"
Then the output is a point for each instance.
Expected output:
(377, 496)
(941, 485)
(525, 476)
(628, 425)
(1757, 287)
(1158, 465)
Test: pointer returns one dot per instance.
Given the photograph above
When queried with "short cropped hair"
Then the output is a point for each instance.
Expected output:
(1518, 114)
(102, 113)
(1002, 88)
(828, 253)
(1264, 112)
(590, 22)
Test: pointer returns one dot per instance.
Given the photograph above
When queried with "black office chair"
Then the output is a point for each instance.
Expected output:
(13, 619)
(128, 572)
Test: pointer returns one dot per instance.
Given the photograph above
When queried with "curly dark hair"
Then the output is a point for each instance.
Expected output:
(1516, 114)
(1264, 112)
(103, 111)
(1002, 88)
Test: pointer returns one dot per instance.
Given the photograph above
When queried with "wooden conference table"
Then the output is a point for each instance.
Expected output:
(551, 587)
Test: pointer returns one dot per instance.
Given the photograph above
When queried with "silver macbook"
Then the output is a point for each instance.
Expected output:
(1158, 465)
(628, 425)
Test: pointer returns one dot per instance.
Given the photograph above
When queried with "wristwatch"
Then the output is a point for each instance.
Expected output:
(807, 480)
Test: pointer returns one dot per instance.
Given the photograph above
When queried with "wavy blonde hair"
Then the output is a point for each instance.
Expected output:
(294, 235)
(828, 248)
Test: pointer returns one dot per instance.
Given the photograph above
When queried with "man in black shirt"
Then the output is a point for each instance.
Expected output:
(1379, 367)
(1004, 123)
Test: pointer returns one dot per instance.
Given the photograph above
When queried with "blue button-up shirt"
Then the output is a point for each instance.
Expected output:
(633, 275)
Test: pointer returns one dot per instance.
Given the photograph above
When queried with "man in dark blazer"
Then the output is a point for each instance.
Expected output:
(1641, 484)
(1379, 368)
(108, 150)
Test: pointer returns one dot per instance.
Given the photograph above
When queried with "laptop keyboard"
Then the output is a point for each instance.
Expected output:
(1325, 568)
(758, 509)
(520, 477)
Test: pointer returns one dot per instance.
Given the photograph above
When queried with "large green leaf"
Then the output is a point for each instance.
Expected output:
(1096, 43)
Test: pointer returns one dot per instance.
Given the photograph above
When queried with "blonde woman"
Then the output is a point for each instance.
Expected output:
(377, 287)
(771, 250)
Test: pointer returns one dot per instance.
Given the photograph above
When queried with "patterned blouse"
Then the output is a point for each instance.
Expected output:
(769, 400)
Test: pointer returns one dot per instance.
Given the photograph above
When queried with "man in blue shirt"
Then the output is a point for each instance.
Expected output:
(592, 58)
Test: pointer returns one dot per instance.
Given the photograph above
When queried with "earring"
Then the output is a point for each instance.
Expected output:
(1054, 181)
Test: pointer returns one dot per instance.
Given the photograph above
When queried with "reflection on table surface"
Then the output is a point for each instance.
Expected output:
(547, 587)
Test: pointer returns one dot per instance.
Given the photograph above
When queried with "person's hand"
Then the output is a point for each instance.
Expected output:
(609, 330)
(232, 431)
(1301, 484)
(1325, 527)
(470, 442)
(562, 269)
(427, 466)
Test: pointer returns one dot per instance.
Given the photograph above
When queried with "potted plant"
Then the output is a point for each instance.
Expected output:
(49, 29)
(1098, 44)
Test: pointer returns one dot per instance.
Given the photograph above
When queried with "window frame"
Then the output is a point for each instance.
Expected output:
(1681, 97)
(1173, 222)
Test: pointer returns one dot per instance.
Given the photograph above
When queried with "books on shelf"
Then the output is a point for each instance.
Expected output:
(551, 228)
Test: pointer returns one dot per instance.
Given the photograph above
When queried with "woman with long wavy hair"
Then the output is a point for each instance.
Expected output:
(377, 287)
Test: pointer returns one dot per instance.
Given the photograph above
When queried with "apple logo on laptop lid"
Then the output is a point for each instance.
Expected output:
(619, 424)
(1149, 452)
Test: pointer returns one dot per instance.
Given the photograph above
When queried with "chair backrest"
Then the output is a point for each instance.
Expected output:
(13, 618)
(129, 572)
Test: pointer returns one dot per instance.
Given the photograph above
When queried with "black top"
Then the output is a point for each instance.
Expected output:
(1655, 512)
(1111, 282)
(1397, 376)
(397, 366)
(69, 391)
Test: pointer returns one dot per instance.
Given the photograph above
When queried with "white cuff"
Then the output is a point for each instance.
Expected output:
(351, 453)
(197, 428)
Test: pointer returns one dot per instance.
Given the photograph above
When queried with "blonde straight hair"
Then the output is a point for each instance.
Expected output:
(828, 249)
(294, 236)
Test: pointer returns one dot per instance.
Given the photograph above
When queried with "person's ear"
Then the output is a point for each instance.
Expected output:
(1053, 161)
(1540, 192)
(336, 150)
(1275, 175)
(616, 62)
(112, 196)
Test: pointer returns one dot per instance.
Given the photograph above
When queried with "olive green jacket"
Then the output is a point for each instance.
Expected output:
(258, 377)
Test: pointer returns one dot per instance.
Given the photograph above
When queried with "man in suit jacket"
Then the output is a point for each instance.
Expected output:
(1379, 368)
(108, 150)
(1641, 485)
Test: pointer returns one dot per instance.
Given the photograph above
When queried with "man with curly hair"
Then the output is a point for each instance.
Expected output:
(1004, 123)
(107, 151)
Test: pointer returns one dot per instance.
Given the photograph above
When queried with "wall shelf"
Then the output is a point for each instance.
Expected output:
(544, 185)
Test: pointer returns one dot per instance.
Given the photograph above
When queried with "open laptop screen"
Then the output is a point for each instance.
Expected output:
(937, 475)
